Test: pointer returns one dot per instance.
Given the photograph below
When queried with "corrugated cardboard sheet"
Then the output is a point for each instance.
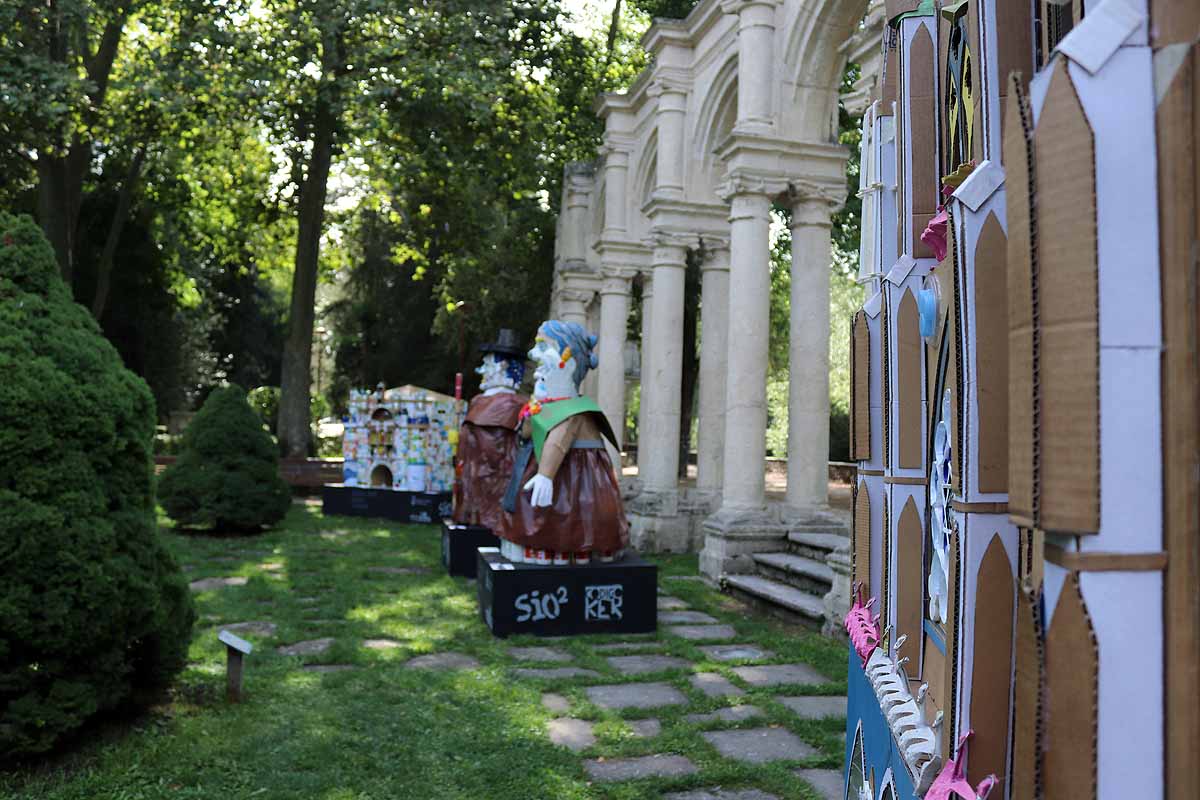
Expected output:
(886, 378)
(1068, 353)
(1014, 50)
(1018, 166)
(923, 121)
(950, 684)
(908, 382)
(933, 672)
(860, 388)
(910, 583)
(862, 537)
(894, 8)
(954, 370)
(991, 356)
(891, 80)
(1178, 131)
(1174, 22)
(1072, 687)
(1027, 698)
(991, 673)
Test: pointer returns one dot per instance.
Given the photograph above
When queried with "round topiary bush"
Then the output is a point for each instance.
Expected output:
(94, 612)
(227, 475)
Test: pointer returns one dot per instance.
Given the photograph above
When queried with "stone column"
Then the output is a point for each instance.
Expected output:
(616, 170)
(714, 357)
(661, 437)
(756, 60)
(579, 177)
(646, 387)
(672, 107)
(742, 526)
(614, 316)
(572, 305)
(808, 359)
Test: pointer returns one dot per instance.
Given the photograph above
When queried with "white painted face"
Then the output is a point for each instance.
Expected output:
(552, 378)
(491, 372)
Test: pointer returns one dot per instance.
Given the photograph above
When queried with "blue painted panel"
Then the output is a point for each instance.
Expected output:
(879, 747)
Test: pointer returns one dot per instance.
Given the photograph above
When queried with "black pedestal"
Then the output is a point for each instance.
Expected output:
(364, 501)
(617, 597)
(459, 543)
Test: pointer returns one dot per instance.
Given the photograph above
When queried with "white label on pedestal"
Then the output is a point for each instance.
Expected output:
(603, 603)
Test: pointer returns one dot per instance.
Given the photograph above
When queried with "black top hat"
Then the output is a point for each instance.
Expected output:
(506, 344)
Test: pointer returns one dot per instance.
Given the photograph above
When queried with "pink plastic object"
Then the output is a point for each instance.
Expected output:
(864, 633)
(934, 234)
(951, 782)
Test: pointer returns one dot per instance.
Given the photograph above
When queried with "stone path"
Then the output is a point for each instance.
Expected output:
(626, 769)
(208, 584)
(443, 661)
(759, 745)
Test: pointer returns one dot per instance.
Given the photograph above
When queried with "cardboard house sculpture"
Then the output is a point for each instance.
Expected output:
(1025, 404)
(398, 449)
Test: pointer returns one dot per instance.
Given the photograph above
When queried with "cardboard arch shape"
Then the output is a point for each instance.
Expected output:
(910, 584)
(909, 360)
(991, 673)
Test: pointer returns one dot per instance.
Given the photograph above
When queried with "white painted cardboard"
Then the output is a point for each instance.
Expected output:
(894, 293)
(908, 30)
(1102, 30)
(875, 387)
(980, 184)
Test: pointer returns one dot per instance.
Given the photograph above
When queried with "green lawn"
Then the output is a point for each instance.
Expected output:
(384, 731)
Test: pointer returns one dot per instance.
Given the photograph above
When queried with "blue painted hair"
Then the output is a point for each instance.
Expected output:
(514, 368)
(582, 344)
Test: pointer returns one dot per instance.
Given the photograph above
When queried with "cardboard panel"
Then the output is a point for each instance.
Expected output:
(894, 8)
(891, 79)
(1018, 157)
(1072, 687)
(1178, 132)
(922, 122)
(885, 354)
(1014, 50)
(975, 85)
(1027, 699)
(1067, 358)
(991, 674)
(860, 388)
(908, 382)
(910, 584)
(933, 672)
(862, 537)
(1174, 22)
(991, 355)
(955, 371)
(950, 684)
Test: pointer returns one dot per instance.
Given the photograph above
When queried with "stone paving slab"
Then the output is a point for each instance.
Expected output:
(208, 584)
(700, 633)
(636, 695)
(645, 728)
(717, 793)
(641, 665)
(626, 769)
(399, 570)
(573, 734)
(619, 646)
(713, 684)
(687, 616)
(443, 661)
(258, 628)
(731, 714)
(552, 654)
(327, 667)
(759, 745)
(309, 647)
(827, 782)
(815, 707)
(381, 644)
(556, 703)
(556, 673)
(668, 603)
(780, 674)
(735, 652)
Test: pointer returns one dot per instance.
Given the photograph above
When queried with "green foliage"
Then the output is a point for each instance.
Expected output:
(265, 402)
(96, 612)
(227, 475)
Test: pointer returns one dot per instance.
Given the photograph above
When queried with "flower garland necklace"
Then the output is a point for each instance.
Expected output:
(535, 407)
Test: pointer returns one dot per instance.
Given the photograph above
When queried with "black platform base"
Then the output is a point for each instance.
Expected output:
(618, 597)
(364, 501)
(459, 543)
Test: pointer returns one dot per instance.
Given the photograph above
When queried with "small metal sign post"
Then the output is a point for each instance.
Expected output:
(236, 648)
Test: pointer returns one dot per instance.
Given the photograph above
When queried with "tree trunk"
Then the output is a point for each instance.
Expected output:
(691, 362)
(54, 213)
(116, 225)
(295, 431)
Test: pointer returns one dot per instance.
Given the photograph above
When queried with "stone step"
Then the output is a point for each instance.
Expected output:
(778, 599)
(815, 545)
(806, 574)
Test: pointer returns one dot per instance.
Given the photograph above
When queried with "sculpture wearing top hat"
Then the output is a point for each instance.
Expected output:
(563, 501)
(488, 439)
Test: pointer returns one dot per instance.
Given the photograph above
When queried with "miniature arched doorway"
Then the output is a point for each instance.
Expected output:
(856, 777)
(381, 476)
(381, 414)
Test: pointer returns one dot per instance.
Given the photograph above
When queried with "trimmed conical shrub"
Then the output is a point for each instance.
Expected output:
(94, 613)
(227, 475)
